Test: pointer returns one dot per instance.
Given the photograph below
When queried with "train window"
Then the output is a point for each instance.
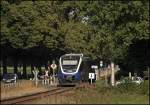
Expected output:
(70, 63)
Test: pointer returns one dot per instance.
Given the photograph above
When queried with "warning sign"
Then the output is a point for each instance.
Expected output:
(53, 66)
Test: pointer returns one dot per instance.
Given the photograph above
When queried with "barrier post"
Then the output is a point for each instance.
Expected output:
(53, 66)
(35, 72)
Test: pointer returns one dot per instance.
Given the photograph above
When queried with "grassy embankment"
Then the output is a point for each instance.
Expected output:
(124, 94)
(100, 94)
(22, 87)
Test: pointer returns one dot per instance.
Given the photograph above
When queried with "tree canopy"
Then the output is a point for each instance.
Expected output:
(100, 29)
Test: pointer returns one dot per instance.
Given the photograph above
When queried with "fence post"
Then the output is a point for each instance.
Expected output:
(106, 81)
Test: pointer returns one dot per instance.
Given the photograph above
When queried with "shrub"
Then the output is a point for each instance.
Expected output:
(134, 88)
(144, 88)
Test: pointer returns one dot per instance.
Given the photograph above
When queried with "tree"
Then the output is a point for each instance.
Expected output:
(100, 29)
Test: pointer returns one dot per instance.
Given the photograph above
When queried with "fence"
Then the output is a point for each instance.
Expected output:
(28, 83)
(20, 84)
(105, 72)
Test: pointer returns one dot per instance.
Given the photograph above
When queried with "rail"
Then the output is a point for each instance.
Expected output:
(21, 99)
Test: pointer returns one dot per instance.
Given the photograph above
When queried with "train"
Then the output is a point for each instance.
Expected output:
(74, 68)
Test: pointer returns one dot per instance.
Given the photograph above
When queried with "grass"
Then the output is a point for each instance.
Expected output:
(22, 87)
(117, 95)
(111, 97)
(100, 94)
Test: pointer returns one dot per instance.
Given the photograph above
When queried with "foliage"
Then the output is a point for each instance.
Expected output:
(100, 29)
(125, 88)
(134, 88)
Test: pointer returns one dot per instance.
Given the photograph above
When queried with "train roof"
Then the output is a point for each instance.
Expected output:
(75, 54)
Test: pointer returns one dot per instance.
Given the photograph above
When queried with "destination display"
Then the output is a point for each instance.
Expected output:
(70, 62)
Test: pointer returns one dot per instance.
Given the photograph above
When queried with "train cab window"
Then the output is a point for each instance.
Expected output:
(70, 63)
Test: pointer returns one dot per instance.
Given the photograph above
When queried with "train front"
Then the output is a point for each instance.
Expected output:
(69, 72)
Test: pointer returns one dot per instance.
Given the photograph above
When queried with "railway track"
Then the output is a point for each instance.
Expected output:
(22, 99)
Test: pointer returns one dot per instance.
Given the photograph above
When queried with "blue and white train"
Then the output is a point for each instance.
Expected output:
(73, 69)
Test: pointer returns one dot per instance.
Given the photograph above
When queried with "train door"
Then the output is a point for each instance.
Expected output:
(85, 68)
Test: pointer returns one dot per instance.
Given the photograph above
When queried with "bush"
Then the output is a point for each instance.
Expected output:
(134, 88)
(144, 88)
(127, 87)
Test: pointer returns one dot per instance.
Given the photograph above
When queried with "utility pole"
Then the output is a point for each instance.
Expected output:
(106, 77)
(130, 75)
(101, 65)
(112, 74)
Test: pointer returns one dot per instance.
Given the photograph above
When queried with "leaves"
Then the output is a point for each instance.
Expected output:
(111, 26)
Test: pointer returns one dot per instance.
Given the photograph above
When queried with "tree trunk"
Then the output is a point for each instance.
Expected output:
(46, 65)
(39, 68)
(32, 67)
(24, 69)
(4, 63)
(15, 66)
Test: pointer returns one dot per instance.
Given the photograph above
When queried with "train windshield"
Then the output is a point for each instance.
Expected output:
(70, 63)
